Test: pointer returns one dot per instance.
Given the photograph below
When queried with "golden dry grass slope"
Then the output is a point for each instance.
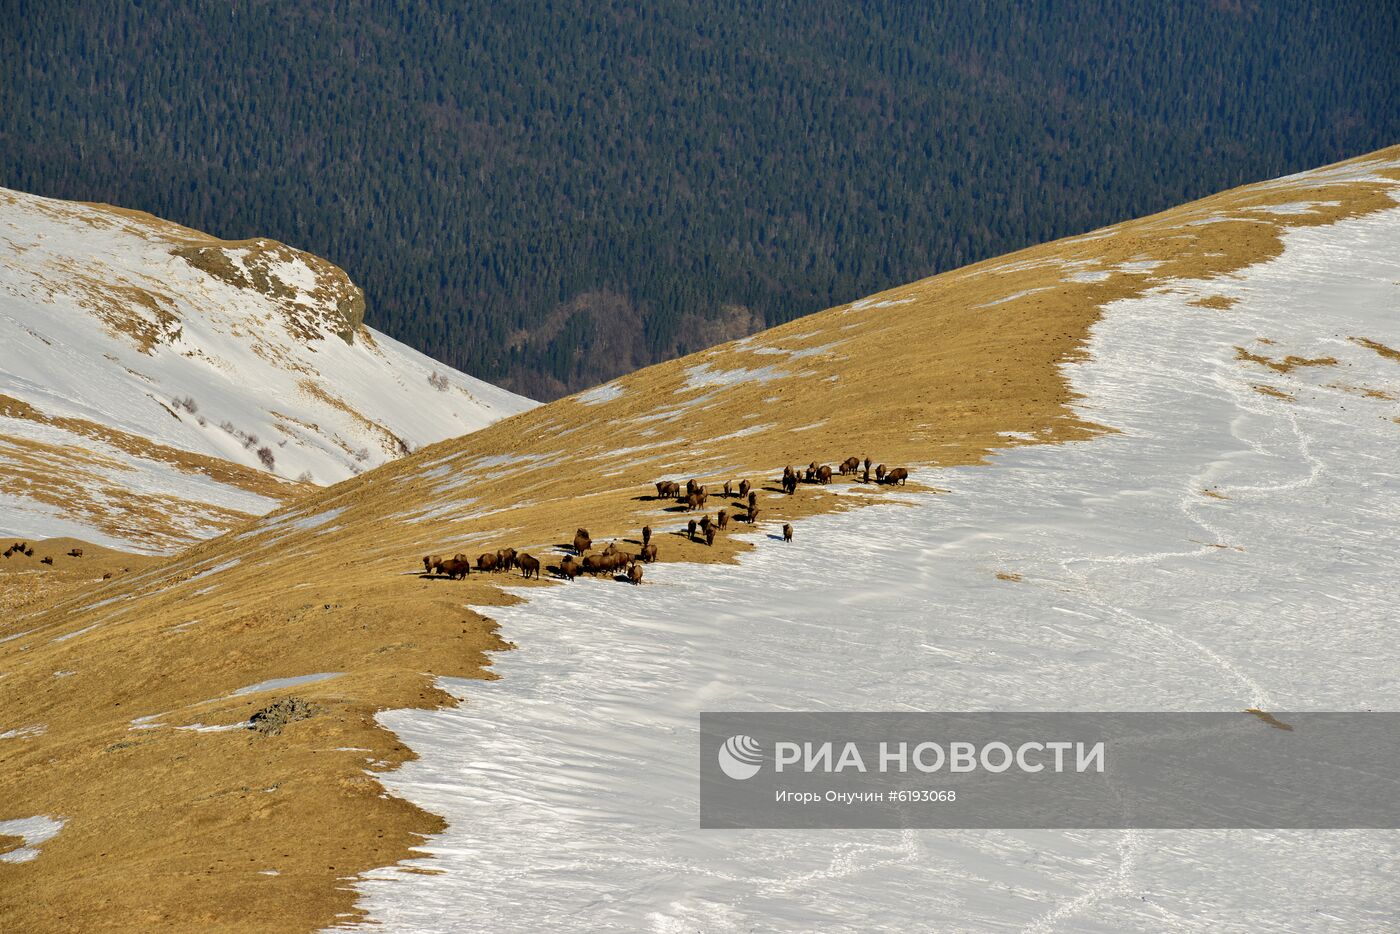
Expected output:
(170, 826)
(158, 385)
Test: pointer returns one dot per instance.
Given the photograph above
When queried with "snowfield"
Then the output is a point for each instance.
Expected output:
(128, 340)
(1233, 544)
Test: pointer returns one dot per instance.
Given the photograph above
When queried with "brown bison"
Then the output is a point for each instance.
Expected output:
(455, 568)
(850, 465)
(728, 489)
(634, 574)
(866, 477)
(528, 565)
(867, 465)
(695, 501)
(880, 474)
(505, 559)
(811, 474)
(753, 500)
(75, 552)
(787, 531)
(744, 487)
(690, 530)
(898, 475)
(595, 564)
(46, 559)
(667, 489)
(790, 482)
(710, 536)
(648, 552)
(646, 535)
(432, 563)
(722, 520)
(823, 474)
(582, 542)
(569, 568)
(753, 514)
(486, 562)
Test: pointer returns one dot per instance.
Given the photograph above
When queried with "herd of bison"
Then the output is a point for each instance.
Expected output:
(691, 497)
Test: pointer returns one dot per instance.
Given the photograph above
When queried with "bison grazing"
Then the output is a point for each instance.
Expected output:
(486, 562)
(75, 553)
(823, 474)
(569, 568)
(634, 574)
(728, 489)
(455, 568)
(898, 475)
(594, 564)
(722, 520)
(528, 565)
(690, 530)
(648, 552)
(646, 535)
(710, 535)
(744, 487)
(505, 559)
(850, 465)
(582, 542)
(787, 531)
(880, 474)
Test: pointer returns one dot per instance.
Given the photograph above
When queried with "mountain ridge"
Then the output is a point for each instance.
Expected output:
(160, 384)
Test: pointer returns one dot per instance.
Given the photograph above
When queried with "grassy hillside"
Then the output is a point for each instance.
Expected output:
(170, 825)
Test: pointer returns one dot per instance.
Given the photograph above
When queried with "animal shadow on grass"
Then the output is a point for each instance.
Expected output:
(770, 488)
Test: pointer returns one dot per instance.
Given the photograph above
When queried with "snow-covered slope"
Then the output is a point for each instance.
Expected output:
(1226, 548)
(136, 356)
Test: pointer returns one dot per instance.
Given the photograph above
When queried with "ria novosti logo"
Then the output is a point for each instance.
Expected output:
(740, 757)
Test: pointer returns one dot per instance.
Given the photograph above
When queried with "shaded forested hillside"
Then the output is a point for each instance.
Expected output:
(548, 194)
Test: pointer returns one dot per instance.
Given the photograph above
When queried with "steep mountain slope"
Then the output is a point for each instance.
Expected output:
(1088, 421)
(158, 385)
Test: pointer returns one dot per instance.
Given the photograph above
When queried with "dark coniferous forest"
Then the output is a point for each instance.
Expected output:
(548, 194)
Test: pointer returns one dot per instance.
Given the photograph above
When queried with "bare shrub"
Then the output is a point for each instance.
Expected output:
(187, 403)
(265, 455)
(438, 381)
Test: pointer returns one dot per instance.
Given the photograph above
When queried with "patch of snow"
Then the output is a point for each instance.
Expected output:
(278, 684)
(703, 376)
(33, 831)
(607, 392)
